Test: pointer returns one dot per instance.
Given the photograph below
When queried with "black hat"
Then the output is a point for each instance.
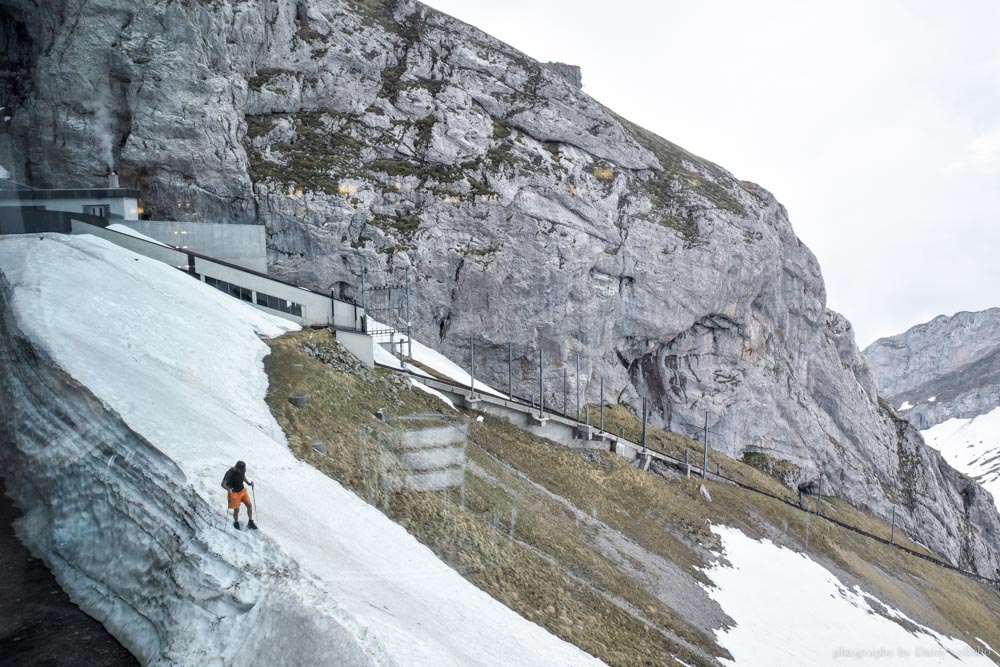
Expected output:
(240, 465)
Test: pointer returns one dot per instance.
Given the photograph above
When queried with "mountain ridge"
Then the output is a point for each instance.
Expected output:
(946, 368)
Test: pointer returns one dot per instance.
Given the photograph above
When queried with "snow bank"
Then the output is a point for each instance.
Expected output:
(180, 364)
(428, 357)
(789, 610)
(433, 392)
(971, 446)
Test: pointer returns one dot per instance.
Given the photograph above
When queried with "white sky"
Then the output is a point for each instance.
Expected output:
(876, 123)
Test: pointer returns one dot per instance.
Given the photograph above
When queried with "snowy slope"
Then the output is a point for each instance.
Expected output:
(790, 610)
(971, 446)
(181, 364)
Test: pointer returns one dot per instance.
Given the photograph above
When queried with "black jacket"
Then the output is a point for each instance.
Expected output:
(234, 479)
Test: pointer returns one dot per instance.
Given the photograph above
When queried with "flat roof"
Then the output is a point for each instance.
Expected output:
(89, 193)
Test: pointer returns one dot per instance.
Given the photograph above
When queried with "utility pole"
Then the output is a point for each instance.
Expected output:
(409, 326)
(644, 415)
(510, 371)
(541, 388)
(602, 402)
(578, 386)
(472, 366)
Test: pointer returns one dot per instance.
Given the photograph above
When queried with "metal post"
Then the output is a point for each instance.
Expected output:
(541, 388)
(892, 534)
(510, 371)
(586, 410)
(621, 435)
(602, 402)
(363, 272)
(565, 394)
(704, 466)
(687, 464)
(409, 326)
(578, 386)
(472, 366)
(644, 415)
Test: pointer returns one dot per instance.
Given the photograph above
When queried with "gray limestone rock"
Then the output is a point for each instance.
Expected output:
(527, 212)
(948, 368)
(571, 73)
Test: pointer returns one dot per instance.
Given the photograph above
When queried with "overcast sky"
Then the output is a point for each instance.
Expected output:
(876, 123)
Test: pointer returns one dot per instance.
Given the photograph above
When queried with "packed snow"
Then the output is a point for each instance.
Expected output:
(906, 406)
(3, 172)
(181, 364)
(433, 392)
(789, 610)
(426, 356)
(971, 446)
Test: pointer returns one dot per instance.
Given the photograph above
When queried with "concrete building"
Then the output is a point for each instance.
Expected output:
(112, 203)
(301, 305)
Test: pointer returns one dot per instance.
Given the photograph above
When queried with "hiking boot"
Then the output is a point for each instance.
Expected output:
(236, 525)
(251, 525)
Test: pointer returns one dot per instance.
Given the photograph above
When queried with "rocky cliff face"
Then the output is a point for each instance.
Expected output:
(526, 212)
(948, 368)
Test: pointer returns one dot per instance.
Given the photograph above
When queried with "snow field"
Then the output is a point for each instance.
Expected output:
(971, 446)
(789, 610)
(180, 362)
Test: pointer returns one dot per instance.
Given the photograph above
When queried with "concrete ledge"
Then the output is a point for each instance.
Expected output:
(587, 444)
(534, 419)
(437, 457)
(430, 480)
(440, 436)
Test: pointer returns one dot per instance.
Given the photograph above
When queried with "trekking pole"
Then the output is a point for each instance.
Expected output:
(253, 492)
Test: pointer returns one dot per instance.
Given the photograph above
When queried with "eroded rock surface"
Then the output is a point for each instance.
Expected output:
(526, 211)
(948, 368)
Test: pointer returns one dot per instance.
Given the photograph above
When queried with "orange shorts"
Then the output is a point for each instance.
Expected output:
(237, 497)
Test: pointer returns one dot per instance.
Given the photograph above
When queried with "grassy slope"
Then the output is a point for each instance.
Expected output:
(537, 521)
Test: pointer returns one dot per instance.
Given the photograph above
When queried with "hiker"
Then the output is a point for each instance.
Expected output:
(234, 482)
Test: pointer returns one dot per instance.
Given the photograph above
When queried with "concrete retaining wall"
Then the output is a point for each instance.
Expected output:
(427, 459)
(360, 345)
